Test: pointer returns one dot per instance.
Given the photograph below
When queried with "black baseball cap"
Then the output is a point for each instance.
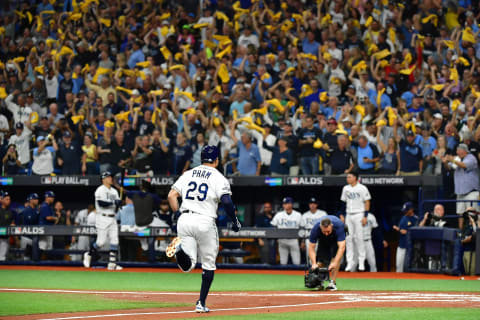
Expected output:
(312, 200)
(287, 200)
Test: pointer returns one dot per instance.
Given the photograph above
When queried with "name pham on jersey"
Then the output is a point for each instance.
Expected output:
(201, 174)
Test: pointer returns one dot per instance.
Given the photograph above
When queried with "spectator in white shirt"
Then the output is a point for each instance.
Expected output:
(21, 112)
(21, 139)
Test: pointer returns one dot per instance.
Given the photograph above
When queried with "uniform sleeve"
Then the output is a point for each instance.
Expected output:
(178, 185)
(275, 220)
(403, 223)
(366, 195)
(223, 187)
(340, 231)
(372, 218)
(344, 196)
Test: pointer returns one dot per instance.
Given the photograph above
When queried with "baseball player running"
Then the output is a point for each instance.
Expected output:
(356, 204)
(201, 189)
(288, 218)
(329, 232)
(106, 202)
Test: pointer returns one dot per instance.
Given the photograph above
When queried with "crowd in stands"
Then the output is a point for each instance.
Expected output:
(282, 87)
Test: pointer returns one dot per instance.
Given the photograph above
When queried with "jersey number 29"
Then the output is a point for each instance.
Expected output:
(202, 189)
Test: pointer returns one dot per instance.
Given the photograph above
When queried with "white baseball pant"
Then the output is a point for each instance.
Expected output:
(370, 255)
(199, 236)
(107, 228)
(286, 247)
(354, 241)
(3, 249)
(400, 260)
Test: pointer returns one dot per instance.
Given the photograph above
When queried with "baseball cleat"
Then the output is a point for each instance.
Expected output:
(331, 286)
(172, 247)
(361, 267)
(114, 267)
(87, 259)
(199, 308)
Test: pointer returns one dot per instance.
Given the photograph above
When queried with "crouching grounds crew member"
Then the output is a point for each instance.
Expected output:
(329, 232)
(106, 202)
(201, 190)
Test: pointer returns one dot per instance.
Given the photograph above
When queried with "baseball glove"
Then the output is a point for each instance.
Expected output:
(314, 278)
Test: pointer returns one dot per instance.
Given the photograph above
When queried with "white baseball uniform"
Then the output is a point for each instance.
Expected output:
(367, 237)
(83, 242)
(308, 221)
(355, 198)
(283, 220)
(201, 189)
(106, 222)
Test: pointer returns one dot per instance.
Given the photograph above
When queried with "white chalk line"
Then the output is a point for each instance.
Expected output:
(193, 311)
(343, 294)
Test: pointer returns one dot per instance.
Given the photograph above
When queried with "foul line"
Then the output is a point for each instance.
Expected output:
(193, 311)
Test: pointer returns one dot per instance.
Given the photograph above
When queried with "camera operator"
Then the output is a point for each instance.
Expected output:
(435, 219)
(468, 240)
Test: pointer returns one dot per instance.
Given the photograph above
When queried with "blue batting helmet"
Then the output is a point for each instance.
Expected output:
(32, 196)
(209, 154)
(49, 194)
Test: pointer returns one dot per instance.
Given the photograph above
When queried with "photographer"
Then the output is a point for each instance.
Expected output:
(468, 240)
(435, 219)
(43, 155)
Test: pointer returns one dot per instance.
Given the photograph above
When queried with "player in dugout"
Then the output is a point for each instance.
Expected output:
(329, 232)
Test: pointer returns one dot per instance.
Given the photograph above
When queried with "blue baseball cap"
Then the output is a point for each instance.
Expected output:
(106, 174)
(312, 200)
(287, 200)
(33, 196)
(407, 206)
(49, 194)
(209, 154)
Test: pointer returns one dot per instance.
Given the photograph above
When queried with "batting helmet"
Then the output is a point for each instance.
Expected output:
(32, 196)
(49, 194)
(209, 154)
(106, 174)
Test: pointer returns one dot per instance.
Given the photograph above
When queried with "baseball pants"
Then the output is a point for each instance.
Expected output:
(107, 228)
(400, 260)
(462, 206)
(45, 242)
(370, 255)
(83, 243)
(286, 247)
(199, 236)
(3, 249)
(354, 241)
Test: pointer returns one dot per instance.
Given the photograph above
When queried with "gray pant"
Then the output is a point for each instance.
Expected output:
(3, 249)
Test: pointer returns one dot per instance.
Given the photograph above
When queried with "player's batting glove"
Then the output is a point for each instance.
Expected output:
(236, 225)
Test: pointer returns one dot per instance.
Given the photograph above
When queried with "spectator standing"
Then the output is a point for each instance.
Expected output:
(11, 164)
(142, 156)
(249, 161)
(69, 155)
(161, 152)
(43, 156)
(308, 155)
(21, 139)
(367, 157)
(7, 218)
(89, 156)
(119, 153)
(408, 220)
(390, 155)
(282, 157)
(411, 160)
(341, 159)
(466, 179)
(288, 219)
(182, 155)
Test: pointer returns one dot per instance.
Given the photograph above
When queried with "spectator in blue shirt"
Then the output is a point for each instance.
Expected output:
(367, 155)
(249, 160)
(136, 56)
(309, 44)
(411, 160)
(282, 157)
(427, 143)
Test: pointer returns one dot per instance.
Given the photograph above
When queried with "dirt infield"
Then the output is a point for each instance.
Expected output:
(238, 303)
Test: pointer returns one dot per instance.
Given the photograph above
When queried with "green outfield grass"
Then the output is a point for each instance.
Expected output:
(21, 303)
(365, 314)
(158, 281)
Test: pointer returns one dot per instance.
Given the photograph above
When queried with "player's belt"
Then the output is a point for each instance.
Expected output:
(190, 211)
(108, 215)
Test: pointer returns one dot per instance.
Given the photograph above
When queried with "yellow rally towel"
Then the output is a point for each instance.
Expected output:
(318, 144)
(323, 96)
(223, 73)
(379, 97)
(449, 43)
(381, 123)
(221, 15)
(39, 69)
(432, 17)
(468, 35)
(77, 119)
(408, 71)
(177, 67)
(99, 72)
(464, 61)
(3, 93)
(188, 95)
(360, 109)
(277, 104)
(165, 52)
(220, 55)
(306, 91)
(118, 88)
(455, 104)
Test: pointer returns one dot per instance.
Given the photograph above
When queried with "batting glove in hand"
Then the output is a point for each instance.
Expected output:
(236, 225)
